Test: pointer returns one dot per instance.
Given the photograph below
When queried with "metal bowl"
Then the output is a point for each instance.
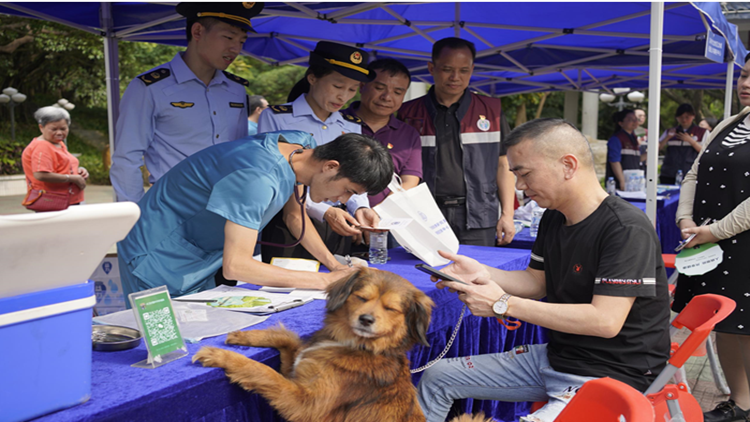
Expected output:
(107, 338)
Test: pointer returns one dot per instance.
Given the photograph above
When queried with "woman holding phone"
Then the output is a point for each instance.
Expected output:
(717, 187)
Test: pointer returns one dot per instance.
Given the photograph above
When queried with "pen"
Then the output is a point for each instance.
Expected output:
(195, 300)
(285, 306)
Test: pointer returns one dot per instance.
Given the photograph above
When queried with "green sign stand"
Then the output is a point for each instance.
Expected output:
(158, 324)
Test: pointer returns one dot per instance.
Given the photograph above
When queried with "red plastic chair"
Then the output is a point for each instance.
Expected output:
(706, 348)
(605, 400)
(674, 402)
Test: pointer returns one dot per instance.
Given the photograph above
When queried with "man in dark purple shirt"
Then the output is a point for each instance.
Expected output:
(380, 100)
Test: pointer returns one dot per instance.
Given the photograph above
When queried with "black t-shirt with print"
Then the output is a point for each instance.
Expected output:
(613, 252)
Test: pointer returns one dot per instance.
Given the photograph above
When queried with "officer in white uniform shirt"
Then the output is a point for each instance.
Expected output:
(331, 80)
(186, 105)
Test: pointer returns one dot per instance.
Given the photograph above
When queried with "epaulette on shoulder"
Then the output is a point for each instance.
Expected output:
(155, 75)
(236, 78)
(281, 109)
(352, 118)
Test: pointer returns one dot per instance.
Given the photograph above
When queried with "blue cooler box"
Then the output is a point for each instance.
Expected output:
(45, 358)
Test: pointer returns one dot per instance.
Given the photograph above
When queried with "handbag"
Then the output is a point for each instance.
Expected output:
(428, 232)
(41, 200)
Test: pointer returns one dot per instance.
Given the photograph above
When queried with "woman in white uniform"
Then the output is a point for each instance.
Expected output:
(332, 80)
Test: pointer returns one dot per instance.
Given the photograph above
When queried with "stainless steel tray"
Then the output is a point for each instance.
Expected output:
(112, 337)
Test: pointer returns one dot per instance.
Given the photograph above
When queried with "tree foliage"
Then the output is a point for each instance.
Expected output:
(51, 60)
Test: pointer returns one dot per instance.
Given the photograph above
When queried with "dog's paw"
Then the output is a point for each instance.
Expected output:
(237, 337)
(252, 338)
(211, 357)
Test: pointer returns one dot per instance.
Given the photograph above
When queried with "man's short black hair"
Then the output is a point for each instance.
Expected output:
(392, 66)
(684, 108)
(207, 23)
(362, 159)
(535, 129)
(620, 116)
(454, 44)
(253, 102)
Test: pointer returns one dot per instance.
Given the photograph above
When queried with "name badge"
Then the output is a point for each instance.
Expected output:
(237, 105)
(699, 260)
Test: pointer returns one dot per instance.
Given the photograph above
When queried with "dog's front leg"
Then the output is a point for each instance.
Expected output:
(294, 402)
(287, 342)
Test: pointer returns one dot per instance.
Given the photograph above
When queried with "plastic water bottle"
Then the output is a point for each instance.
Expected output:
(641, 184)
(611, 186)
(678, 178)
(378, 247)
(536, 217)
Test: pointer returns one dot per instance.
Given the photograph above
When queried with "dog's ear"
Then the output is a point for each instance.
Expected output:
(418, 317)
(339, 291)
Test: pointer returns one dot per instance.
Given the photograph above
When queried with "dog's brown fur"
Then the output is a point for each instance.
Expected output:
(354, 368)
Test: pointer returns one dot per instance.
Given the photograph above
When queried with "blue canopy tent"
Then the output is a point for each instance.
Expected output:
(521, 46)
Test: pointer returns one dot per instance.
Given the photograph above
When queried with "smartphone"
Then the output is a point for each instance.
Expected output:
(431, 271)
(684, 243)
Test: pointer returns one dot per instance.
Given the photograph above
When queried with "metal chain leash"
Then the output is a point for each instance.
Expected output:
(447, 346)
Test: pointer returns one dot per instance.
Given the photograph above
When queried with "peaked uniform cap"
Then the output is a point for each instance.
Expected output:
(237, 14)
(348, 61)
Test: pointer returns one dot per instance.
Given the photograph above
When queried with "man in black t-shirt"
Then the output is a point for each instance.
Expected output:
(598, 262)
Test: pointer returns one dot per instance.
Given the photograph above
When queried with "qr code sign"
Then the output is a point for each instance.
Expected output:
(160, 325)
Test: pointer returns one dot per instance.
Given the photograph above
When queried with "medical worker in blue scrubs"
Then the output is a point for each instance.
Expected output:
(208, 209)
(332, 79)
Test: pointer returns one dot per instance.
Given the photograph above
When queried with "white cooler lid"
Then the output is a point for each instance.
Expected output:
(56, 249)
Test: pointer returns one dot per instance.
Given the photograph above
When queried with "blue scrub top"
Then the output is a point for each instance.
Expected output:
(179, 239)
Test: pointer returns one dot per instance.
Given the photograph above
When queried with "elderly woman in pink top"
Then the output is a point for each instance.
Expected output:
(47, 163)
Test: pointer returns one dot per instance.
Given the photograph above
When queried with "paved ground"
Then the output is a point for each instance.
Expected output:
(92, 195)
(698, 370)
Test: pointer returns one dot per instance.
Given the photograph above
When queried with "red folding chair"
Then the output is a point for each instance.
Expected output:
(706, 349)
(673, 402)
(607, 400)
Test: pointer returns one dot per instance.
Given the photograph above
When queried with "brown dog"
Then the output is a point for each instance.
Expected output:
(354, 368)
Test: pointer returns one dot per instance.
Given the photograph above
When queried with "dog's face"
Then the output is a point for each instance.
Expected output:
(378, 311)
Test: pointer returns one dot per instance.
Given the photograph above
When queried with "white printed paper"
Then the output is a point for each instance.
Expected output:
(699, 260)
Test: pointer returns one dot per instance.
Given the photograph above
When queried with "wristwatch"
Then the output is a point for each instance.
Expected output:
(501, 306)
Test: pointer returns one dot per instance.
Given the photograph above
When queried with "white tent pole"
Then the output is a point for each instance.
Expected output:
(654, 101)
(729, 89)
(112, 69)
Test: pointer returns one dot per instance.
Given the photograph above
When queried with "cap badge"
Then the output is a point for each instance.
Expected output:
(248, 4)
(483, 124)
(356, 57)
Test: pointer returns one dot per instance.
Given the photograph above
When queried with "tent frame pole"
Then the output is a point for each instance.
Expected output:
(112, 69)
(729, 89)
(654, 99)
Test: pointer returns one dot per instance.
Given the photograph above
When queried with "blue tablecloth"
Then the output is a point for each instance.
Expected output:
(669, 234)
(666, 209)
(183, 391)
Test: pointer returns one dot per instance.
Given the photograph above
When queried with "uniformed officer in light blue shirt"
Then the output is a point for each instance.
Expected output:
(186, 105)
(331, 80)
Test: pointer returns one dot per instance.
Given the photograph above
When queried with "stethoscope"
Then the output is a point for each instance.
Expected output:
(301, 201)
